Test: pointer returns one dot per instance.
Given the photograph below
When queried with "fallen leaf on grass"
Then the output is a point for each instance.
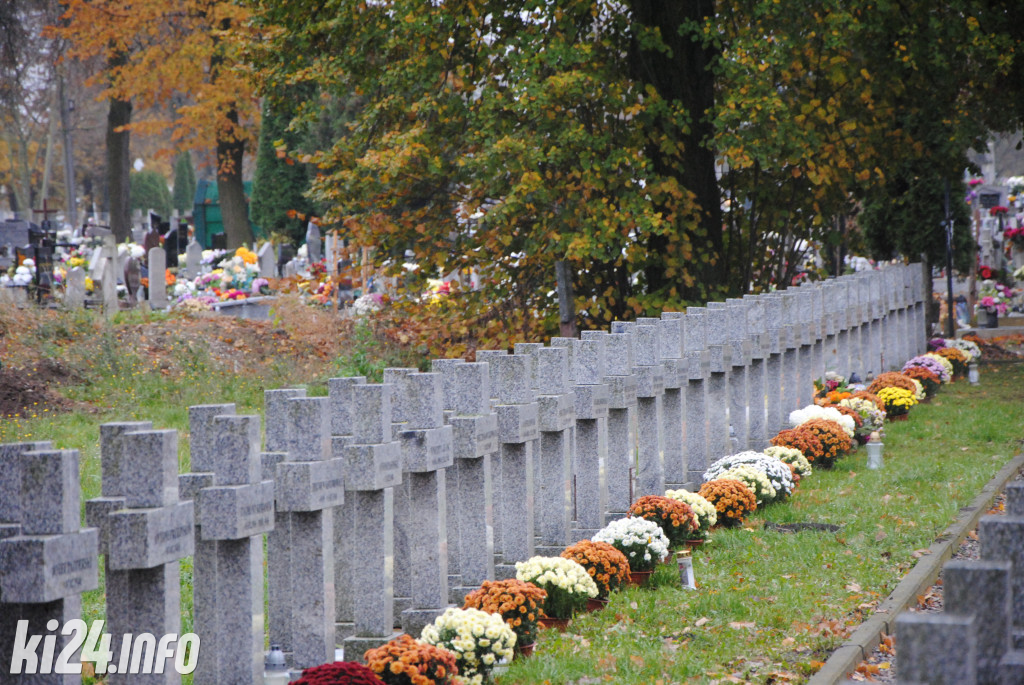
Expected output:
(852, 587)
(701, 621)
(880, 535)
(964, 449)
(886, 498)
(817, 665)
(637, 661)
(742, 624)
(973, 535)
(788, 641)
(918, 553)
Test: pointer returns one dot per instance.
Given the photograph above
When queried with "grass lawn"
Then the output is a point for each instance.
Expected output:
(768, 603)
(770, 607)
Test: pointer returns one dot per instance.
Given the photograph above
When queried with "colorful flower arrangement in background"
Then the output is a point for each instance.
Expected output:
(755, 479)
(892, 379)
(568, 584)
(606, 565)
(731, 498)
(928, 379)
(643, 542)
(1015, 236)
(518, 602)
(777, 474)
(802, 440)
(956, 358)
(477, 639)
(799, 417)
(833, 437)
(405, 661)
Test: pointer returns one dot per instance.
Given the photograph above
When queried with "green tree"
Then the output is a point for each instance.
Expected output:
(279, 183)
(149, 191)
(184, 183)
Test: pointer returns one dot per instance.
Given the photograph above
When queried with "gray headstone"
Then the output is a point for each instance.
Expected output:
(267, 261)
(74, 295)
(157, 291)
(193, 259)
(313, 242)
(982, 589)
(937, 648)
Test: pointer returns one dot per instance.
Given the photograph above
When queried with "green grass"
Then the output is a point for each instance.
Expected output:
(792, 598)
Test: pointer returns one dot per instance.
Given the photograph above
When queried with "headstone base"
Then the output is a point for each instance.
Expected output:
(582, 534)
(614, 516)
(402, 605)
(356, 646)
(343, 631)
(457, 594)
(548, 551)
(415, 620)
(1011, 667)
(504, 571)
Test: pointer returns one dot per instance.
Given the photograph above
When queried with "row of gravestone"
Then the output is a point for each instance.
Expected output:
(383, 503)
(978, 638)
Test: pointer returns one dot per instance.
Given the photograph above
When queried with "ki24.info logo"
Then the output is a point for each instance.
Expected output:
(138, 654)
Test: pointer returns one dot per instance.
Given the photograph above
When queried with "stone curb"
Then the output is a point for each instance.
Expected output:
(865, 638)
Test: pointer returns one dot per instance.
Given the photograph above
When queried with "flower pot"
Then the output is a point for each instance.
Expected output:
(596, 604)
(898, 417)
(549, 623)
(990, 320)
(523, 650)
(639, 578)
(694, 543)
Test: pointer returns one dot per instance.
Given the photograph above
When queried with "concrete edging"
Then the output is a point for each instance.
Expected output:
(845, 659)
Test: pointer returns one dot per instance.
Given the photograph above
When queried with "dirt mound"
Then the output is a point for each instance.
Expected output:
(25, 391)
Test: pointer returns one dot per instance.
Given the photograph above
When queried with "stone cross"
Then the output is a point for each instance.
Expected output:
(622, 407)
(757, 337)
(342, 420)
(673, 402)
(650, 375)
(108, 277)
(530, 349)
(46, 558)
(738, 389)
(373, 469)
(796, 382)
(486, 356)
(156, 293)
(590, 458)
(475, 440)
(553, 460)
(427, 451)
(309, 484)
(145, 529)
(279, 540)
(235, 513)
(774, 380)
(404, 525)
(517, 429)
(712, 322)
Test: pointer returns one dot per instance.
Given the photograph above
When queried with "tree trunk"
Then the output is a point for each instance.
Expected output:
(683, 73)
(233, 206)
(119, 164)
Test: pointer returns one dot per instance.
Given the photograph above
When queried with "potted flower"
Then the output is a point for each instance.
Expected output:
(405, 661)
(676, 519)
(834, 440)
(754, 479)
(813, 411)
(338, 673)
(519, 603)
(606, 565)
(947, 367)
(930, 363)
(872, 418)
(705, 511)
(568, 587)
(891, 379)
(477, 639)
(802, 440)
(928, 380)
(791, 457)
(955, 357)
(732, 499)
(897, 402)
(643, 543)
(778, 475)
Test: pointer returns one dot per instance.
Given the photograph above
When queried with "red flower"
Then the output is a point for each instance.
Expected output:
(985, 272)
(998, 209)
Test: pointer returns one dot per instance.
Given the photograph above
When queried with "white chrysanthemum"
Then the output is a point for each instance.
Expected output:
(918, 389)
(791, 455)
(778, 474)
(755, 479)
(558, 572)
(460, 631)
(707, 515)
(969, 348)
(634, 535)
(813, 411)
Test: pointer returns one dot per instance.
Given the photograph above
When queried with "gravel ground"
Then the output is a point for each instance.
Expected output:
(880, 666)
